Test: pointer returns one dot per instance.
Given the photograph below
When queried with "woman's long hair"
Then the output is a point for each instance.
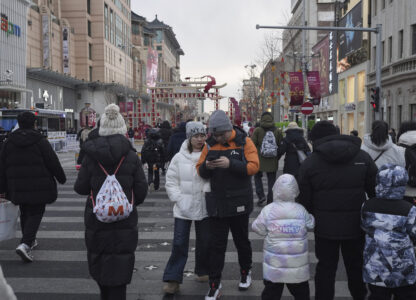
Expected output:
(379, 133)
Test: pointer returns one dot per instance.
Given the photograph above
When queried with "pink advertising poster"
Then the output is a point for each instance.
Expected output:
(151, 69)
(314, 84)
(321, 63)
(296, 88)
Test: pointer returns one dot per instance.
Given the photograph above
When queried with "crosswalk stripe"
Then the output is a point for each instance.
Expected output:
(60, 270)
(142, 235)
(147, 287)
(58, 255)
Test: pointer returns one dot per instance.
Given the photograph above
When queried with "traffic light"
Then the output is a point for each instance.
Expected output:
(375, 98)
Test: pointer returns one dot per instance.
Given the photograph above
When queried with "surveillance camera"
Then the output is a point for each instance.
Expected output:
(9, 72)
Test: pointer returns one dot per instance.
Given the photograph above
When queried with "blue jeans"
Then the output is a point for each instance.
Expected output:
(179, 256)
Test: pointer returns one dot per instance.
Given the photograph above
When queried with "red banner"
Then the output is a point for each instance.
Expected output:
(122, 106)
(314, 85)
(296, 88)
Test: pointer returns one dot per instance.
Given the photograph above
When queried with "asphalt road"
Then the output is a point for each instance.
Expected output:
(60, 268)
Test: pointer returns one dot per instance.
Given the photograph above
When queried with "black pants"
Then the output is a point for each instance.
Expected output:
(400, 293)
(258, 182)
(273, 291)
(113, 292)
(220, 228)
(153, 168)
(327, 253)
(30, 218)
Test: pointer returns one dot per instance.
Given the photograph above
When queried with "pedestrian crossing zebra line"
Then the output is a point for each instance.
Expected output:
(60, 269)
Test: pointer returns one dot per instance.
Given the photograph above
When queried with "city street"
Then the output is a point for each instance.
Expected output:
(60, 268)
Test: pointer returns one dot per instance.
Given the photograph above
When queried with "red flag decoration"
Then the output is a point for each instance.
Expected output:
(209, 84)
(314, 86)
(296, 88)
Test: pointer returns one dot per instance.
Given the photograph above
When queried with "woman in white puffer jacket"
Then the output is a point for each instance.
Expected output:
(380, 147)
(187, 190)
(407, 139)
(285, 252)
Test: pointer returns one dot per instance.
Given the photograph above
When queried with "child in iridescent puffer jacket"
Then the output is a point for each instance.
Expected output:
(285, 225)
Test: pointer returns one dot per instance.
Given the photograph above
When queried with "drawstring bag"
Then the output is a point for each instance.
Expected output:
(111, 204)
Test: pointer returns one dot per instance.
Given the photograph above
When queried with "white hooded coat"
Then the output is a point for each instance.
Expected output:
(408, 139)
(185, 187)
(285, 225)
(392, 153)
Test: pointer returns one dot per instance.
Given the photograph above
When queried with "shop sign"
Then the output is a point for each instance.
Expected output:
(9, 27)
(349, 107)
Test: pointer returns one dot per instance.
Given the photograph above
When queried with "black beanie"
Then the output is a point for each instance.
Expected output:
(26, 120)
(321, 130)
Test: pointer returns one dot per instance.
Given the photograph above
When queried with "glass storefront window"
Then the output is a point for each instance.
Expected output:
(361, 86)
(351, 89)
(341, 91)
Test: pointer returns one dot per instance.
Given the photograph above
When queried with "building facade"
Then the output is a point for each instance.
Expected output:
(398, 98)
(13, 35)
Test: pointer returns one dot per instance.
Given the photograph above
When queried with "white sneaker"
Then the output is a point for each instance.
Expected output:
(214, 292)
(245, 281)
(24, 252)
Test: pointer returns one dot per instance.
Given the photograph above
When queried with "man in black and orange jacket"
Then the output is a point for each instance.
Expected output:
(229, 160)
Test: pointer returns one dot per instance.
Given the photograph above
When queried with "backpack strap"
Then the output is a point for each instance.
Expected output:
(106, 173)
(118, 167)
(381, 153)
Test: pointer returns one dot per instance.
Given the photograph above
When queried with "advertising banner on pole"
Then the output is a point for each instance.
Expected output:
(122, 106)
(65, 49)
(151, 70)
(296, 88)
(320, 63)
(350, 41)
(45, 41)
(314, 86)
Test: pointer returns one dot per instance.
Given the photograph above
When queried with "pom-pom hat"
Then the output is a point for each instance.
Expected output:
(112, 122)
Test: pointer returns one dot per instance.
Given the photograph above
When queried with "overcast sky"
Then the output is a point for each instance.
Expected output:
(218, 36)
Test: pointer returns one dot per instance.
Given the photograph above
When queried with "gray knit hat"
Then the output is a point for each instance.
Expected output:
(194, 128)
(219, 122)
(112, 122)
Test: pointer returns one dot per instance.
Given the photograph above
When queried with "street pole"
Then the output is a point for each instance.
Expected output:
(304, 60)
(378, 67)
(376, 30)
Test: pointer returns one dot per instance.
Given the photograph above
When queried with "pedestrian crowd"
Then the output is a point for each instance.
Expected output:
(356, 196)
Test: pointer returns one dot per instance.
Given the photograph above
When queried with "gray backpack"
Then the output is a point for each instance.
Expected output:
(269, 146)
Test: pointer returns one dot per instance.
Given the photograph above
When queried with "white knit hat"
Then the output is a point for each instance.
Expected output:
(112, 122)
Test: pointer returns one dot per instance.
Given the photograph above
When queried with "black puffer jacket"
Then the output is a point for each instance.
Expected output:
(333, 182)
(28, 168)
(176, 140)
(293, 137)
(111, 246)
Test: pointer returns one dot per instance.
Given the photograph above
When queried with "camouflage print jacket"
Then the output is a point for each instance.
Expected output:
(390, 227)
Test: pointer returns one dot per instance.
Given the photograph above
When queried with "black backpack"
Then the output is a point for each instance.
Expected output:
(152, 151)
(410, 156)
